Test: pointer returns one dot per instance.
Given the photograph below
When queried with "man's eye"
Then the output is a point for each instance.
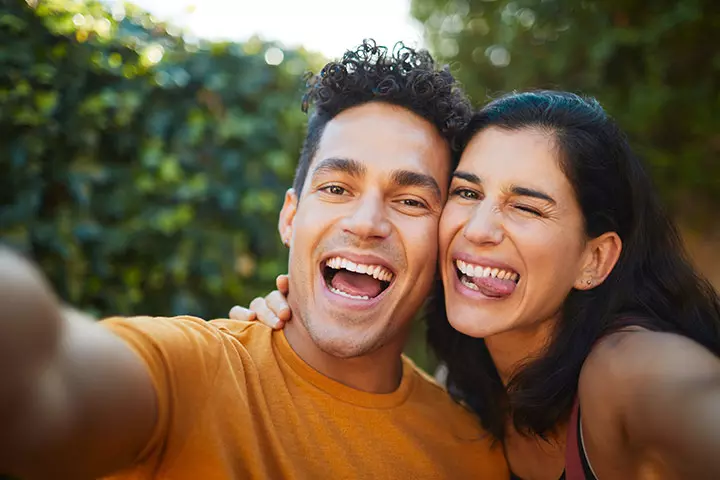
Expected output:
(412, 203)
(334, 190)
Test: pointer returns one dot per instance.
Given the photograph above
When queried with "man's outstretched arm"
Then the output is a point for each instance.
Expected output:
(75, 401)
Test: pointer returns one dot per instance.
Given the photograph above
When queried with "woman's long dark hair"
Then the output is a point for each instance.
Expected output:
(652, 285)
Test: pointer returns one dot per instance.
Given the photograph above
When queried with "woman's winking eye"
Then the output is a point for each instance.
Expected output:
(530, 210)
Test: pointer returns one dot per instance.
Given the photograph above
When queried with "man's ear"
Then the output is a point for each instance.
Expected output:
(601, 255)
(287, 216)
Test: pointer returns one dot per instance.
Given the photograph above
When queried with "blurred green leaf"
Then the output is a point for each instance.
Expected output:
(126, 152)
(653, 67)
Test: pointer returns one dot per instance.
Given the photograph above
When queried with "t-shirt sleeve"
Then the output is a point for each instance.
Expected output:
(182, 355)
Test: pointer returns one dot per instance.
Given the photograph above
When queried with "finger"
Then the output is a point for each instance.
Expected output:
(278, 304)
(283, 284)
(241, 313)
(264, 314)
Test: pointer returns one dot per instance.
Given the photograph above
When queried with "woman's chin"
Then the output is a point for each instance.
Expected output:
(473, 323)
(477, 315)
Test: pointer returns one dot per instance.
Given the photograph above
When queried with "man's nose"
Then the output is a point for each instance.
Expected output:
(369, 218)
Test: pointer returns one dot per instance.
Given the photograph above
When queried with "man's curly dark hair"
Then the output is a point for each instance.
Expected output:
(404, 77)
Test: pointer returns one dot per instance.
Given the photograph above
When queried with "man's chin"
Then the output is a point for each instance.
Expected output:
(344, 340)
(342, 332)
(346, 352)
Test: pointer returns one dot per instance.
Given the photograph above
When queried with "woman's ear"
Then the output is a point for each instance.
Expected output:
(601, 255)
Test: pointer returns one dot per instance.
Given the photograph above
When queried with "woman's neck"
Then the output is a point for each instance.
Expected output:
(512, 349)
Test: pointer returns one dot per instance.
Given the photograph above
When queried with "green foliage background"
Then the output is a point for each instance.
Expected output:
(142, 185)
(655, 66)
(145, 174)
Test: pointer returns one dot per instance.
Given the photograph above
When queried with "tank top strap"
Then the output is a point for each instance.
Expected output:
(577, 465)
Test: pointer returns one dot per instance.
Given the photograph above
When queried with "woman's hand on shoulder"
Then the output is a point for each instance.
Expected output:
(653, 398)
(272, 310)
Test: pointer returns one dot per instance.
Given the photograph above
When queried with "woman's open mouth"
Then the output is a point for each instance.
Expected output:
(490, 281)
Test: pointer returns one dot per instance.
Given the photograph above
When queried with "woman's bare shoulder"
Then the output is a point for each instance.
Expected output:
(638, 359)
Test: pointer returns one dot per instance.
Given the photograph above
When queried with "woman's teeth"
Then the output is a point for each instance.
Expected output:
(471, 270)
(469, 284)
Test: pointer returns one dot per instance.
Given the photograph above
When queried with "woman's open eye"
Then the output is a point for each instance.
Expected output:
(466, 193)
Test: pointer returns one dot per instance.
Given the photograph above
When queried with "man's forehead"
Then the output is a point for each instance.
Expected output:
(380, 116)
(378, 133)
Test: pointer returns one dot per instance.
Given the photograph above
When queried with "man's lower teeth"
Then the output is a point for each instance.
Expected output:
(469, 284)
(345, 294)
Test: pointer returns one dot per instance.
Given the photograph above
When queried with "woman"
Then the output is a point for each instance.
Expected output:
(571, 321)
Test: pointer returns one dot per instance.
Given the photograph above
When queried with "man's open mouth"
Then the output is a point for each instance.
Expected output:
(490, 281)
(358, 281)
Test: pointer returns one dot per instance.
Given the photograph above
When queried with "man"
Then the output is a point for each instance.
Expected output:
(331, 396)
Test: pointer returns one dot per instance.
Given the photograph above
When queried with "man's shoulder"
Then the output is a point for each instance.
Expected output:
(187, 323)
(246, 333)
(422, 376)
(185, 331)
(431, 402)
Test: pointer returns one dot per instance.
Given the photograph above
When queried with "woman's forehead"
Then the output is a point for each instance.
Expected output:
(496, 154)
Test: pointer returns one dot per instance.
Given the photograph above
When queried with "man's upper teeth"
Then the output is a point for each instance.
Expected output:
(479, 271)
(376, 271)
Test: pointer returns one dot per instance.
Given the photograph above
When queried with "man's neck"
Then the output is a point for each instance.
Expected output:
(376, 372)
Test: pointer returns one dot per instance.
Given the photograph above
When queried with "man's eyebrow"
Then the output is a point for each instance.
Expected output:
(515, 190)
(531, 192)
(343, 165)
(408, 178)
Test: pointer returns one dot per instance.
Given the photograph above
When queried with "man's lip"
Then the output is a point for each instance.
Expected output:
(364, 258)
(482, 261)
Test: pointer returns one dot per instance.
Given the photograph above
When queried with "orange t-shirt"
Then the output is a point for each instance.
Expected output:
(235, 401)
